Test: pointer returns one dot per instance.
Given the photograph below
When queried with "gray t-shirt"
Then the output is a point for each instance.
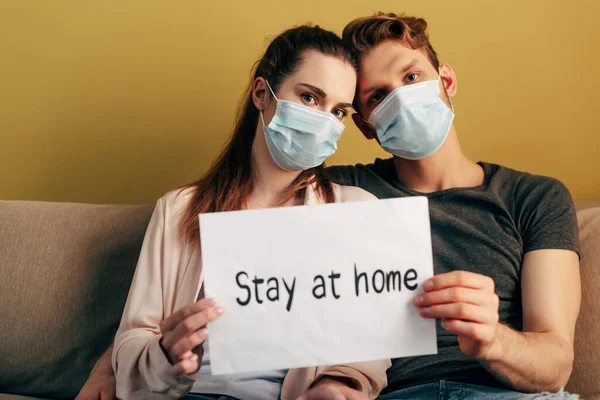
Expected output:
(485, 229)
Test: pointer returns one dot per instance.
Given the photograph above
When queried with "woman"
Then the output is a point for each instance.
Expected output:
(291, 120)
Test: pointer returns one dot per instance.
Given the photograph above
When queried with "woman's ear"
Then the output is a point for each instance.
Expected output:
(366, 128)
(260, 96)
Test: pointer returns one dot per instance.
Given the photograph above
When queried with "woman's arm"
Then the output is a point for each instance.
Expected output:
(141, 367)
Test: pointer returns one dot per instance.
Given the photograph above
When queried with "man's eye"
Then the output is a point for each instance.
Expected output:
(411, 78)
(377, 97)
(309, 98)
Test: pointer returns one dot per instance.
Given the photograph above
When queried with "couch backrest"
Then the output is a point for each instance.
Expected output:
(585, 379)
(65, 271)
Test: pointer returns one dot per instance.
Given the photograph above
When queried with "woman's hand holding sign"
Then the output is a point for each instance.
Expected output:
(468, 307)
(184, 333)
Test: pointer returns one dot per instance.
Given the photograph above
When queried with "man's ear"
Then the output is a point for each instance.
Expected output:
(365, 127)
(448, 79)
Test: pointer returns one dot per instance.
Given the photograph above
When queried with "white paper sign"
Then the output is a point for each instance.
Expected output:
(317, 285)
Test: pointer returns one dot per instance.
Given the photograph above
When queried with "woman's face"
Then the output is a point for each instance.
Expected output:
(323, 82)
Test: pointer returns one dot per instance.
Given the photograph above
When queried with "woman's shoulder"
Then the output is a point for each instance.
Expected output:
(351, 193)
(179, 197)
(174, 203)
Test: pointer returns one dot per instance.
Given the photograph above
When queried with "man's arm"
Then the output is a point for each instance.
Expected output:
(101, 384)
(538, 359)
(541, 357)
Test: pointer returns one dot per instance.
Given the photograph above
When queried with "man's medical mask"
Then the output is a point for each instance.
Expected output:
(413, 122)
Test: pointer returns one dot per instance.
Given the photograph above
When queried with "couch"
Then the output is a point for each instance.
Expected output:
(65, 271)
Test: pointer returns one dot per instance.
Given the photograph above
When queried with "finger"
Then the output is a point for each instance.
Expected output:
(454, 294)
(189, 366)
(462, 311)
(190, 325)
(170, 323)
(459, 278)
(199, 350)
(472, 330)
(86, 396)
(188, 343)
(186, 355)
(107, 396)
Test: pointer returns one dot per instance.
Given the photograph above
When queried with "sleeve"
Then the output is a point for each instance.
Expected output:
(547, 218)
(368, 377)
(141, 367)
(343, 175)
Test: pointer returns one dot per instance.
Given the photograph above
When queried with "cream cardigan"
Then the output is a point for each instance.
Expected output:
(168, 277)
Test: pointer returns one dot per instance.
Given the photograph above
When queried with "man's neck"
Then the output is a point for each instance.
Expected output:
(448, 168)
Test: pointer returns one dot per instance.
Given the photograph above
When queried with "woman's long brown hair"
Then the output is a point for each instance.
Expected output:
(228, 183)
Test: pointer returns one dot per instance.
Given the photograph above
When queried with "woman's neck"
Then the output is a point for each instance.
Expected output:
(269, 182)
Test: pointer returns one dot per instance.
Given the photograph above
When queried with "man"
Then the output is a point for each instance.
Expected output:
(506, 291)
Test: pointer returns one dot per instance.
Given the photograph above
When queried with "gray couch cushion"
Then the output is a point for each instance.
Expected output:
(65, 271)
(18, 397)
(585, 379)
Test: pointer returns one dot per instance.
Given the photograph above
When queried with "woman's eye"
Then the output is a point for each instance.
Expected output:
(309, 98)
(411, 78)
(340, 114)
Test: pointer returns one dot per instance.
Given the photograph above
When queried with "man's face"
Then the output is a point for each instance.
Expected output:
(389, 66)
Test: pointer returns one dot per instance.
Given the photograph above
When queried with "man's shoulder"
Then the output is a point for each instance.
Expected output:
(353, 174)
(520, 182)
(342, 173)
(526, 192)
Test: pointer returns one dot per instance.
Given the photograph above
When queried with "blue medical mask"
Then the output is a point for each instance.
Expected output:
(413, 122)
(299, 137)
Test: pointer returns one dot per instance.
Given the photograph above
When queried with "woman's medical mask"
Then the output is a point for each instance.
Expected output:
(299, 137)
(413, 122)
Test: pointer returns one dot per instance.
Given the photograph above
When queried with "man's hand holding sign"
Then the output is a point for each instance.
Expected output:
(317, 285)
(468, 307)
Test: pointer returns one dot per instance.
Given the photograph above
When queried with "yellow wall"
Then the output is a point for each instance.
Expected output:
(118, 101)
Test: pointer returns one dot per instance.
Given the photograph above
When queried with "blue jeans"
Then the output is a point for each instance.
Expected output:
(444, 390)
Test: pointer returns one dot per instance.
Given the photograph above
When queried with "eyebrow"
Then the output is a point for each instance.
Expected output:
(317, 90)
(322, 93)
(377, 86)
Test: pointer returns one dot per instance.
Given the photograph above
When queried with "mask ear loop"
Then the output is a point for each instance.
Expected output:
(444, 86)
(276, 99)
(271, 90)
(263, 120)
